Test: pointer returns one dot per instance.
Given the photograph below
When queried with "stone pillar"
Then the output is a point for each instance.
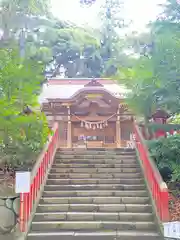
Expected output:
(118, 130)
(69, 130)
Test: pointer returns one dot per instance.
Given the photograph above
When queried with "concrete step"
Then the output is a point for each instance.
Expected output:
(93, 216)
(91, 193)
(95, 187)
(86, 165)
(132, 208)
(96, 235)
(95, 170)
(96, 200)
(94, 175)
(91, 225)
(61, 181)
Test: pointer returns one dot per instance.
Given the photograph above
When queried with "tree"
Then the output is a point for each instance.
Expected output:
(75, 48)
(156, 72)
(170, 15)
(139, 79)
(111, 44)
(16, 14)
(21, 134)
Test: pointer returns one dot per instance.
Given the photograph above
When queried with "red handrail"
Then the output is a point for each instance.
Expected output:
(38, 174)
(156, 184)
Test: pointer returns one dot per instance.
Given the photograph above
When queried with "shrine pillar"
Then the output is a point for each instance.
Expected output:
(69, 129)
(118, 130)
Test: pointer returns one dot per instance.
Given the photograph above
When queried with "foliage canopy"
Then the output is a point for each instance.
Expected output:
(21, 134)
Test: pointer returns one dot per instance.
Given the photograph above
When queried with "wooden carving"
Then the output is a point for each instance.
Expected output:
(93, 83)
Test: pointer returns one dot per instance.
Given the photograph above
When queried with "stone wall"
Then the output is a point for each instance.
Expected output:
(9, 212)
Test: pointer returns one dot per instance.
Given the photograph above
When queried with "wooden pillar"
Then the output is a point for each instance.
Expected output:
(118, 130)
(69, 129)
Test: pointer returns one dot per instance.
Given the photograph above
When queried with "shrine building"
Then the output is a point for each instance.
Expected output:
(91, 113)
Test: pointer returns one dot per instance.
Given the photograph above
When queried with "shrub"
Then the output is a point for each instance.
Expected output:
(166, 153)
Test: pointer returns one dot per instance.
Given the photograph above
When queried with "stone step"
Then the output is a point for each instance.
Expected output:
(132, 208)
(86, 165)
(95, 187)
(92, 216)
(94, 194)
(95, 152)
(90, 156)
(95, 161)
(95, 170)
(100, 193)
(98, 149)
(91, 225)
(96, 200)
(60, 181)
(96, 235)
(94, 175)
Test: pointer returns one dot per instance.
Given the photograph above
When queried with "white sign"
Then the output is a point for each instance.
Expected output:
(172, 230)
(23, 182)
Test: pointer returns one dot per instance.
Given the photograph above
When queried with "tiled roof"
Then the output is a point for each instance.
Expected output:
(67, 91)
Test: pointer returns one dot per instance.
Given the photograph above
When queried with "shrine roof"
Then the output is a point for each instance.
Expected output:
(160, 114)
(67, 91)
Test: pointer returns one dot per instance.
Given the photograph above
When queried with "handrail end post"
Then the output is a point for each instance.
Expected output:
(22, 213)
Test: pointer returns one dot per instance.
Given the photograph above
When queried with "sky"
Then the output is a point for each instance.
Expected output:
(139, 11)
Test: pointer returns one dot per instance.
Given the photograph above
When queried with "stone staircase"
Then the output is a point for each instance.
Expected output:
(94, 194)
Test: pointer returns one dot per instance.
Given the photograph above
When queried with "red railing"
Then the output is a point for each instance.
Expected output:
(156, 184)
(158, 133)
(38, 175)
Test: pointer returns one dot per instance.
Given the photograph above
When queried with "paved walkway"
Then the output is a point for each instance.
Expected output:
(7, 237)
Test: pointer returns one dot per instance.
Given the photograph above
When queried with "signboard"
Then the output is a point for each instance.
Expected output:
(23, 182)
(172, 230)
(94, 96)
